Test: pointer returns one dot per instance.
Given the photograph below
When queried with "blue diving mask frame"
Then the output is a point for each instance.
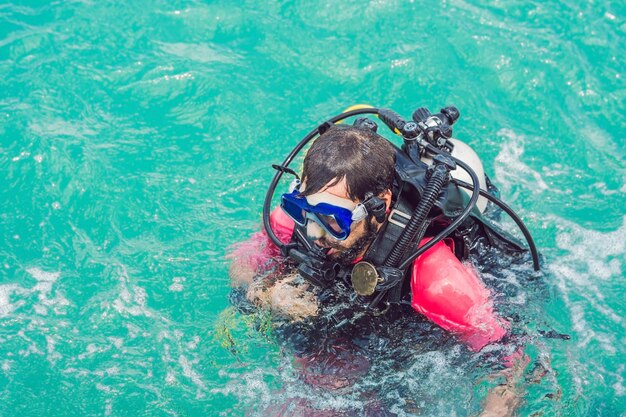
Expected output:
(335, 220)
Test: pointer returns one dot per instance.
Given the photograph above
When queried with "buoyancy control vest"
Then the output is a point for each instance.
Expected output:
(408, 188)
(426, 201)
(410, 182)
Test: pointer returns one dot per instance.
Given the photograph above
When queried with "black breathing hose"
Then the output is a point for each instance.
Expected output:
(416, 227)
(460, 218)
(435, 184)
(518, 221)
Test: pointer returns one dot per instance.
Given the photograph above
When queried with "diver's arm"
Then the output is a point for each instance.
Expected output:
(503, 400)
(251, 266)
(284, 294)
(288, 295)
(249, 258)
(254, 255)
(452, 295)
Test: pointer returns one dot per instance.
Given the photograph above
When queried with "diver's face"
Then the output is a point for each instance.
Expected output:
(362, 233)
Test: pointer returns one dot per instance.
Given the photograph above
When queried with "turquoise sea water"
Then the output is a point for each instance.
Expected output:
(135, 146)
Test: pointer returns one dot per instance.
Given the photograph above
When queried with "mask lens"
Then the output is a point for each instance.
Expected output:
(292, 209)
(330, 222)
(334, 219)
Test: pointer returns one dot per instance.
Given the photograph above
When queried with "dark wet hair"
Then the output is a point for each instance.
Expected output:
(365, 159)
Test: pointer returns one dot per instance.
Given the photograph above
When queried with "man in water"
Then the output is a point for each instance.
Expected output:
(349, 173)
(339, 169)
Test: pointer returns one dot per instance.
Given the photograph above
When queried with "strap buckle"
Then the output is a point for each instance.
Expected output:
(400, 217)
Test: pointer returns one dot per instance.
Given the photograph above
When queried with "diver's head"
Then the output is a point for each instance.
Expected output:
(358, 156)
(342, 168)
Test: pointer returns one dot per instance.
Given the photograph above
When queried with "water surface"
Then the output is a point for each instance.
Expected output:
(135, 147)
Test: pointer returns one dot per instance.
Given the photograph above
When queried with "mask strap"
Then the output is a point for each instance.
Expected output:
(376, 206)
(295, 184)
(285, 170)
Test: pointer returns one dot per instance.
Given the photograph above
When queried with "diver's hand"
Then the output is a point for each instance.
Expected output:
(501, 401)
(288, 296)
(241, 273)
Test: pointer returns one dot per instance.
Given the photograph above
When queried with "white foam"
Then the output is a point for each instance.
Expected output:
(53, 355)
(592, 260)
(41, 310)
(116, 341)
(177, 284)
(6, 307)
(103, 388)
(170, 378)
(194, 343)
(249, 386)
(22, 155)
(43, 289)
(132, 299)
(511, 171)
(41, 275)
(188, 372)
(108, 408)
(31, 349)
(620, 389)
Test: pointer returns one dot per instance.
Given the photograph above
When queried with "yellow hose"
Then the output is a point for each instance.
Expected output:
(356, 107)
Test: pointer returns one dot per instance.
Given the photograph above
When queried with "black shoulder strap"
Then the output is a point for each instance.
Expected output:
(390, 232)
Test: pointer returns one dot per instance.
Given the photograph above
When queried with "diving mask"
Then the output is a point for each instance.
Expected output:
(335, 220)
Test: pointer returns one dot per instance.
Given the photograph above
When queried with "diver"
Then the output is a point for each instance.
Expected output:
(394, 225)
